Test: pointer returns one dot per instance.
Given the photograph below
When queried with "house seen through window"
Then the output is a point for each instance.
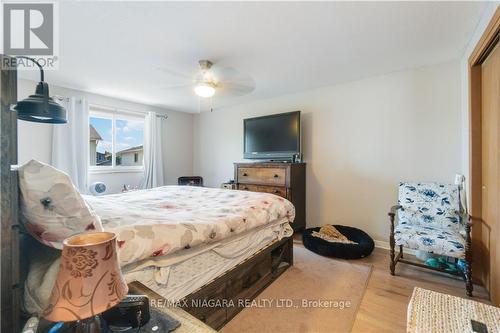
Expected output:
(116, 140)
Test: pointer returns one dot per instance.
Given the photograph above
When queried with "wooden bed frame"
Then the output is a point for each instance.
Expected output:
(219, 301)
(243, 282)
(10, 232)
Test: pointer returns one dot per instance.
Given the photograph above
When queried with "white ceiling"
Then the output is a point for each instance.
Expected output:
(116, 48)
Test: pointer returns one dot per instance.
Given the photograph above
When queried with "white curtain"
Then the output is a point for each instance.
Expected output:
(70, 142)
(153, 157)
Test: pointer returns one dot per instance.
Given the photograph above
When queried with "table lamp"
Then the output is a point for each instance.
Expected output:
(89, 281)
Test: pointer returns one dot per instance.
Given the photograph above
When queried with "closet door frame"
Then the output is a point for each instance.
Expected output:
(480, 231)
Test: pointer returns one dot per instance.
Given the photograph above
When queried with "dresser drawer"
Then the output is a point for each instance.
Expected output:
(208, 305)
(247, 283)
(265, 176)
(280, 191)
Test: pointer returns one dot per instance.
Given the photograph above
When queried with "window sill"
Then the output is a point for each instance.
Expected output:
(124, 170)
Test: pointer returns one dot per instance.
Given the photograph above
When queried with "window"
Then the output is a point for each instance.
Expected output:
(116, 140)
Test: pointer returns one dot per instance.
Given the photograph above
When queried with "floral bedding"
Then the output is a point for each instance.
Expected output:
(164, 220)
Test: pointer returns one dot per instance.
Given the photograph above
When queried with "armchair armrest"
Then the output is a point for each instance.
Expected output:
(468, 245)
(470, 220)
(393, 210)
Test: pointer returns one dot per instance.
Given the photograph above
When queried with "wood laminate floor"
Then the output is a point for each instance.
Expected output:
(383, 307)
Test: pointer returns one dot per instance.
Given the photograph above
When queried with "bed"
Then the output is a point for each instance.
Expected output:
(187, 244)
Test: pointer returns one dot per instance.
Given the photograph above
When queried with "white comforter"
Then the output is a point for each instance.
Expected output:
(164, 220)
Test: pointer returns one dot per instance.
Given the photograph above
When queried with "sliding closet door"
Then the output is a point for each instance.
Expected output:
(490, 115)
(484, 158)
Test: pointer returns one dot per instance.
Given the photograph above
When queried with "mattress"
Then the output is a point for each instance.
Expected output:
(182, 278)
(166, 220)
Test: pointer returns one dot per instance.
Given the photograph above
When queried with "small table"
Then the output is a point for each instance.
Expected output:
(189, 324)
(430, 311)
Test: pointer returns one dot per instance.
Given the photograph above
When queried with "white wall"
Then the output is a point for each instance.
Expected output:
(177, 146)
(35, 140)
(359, 140)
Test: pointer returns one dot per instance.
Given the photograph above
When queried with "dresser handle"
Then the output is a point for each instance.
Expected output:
(245, 188)
(276, 176)
(245, 174)
(276, 191)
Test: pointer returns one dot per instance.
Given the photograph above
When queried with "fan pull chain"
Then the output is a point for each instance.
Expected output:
(211, 104)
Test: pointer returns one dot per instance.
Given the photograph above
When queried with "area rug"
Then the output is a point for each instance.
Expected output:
(317, 294)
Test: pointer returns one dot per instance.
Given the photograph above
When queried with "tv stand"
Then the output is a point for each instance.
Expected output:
(285, 179)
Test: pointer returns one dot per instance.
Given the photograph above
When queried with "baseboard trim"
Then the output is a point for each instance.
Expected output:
(385, 245)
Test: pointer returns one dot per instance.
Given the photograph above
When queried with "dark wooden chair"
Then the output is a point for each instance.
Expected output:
(429, 217)
(190, 181)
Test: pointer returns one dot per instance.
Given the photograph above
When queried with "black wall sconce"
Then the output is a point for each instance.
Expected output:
(40, 107)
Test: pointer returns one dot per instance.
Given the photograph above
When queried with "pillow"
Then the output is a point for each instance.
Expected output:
(52, 209)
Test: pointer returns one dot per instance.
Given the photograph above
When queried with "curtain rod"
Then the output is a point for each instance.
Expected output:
(79, 100)
(125, 110)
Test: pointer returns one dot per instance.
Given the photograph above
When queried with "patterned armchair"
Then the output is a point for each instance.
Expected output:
(430, 218)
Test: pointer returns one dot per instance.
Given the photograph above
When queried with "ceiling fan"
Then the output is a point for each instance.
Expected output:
(205, 82)
(212, 80)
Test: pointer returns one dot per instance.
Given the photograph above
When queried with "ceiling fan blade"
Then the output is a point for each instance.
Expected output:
(236, 89)
(178, 86)
(176, 74)
(230, 75)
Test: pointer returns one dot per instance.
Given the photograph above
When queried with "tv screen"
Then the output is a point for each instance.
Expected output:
(272, 137)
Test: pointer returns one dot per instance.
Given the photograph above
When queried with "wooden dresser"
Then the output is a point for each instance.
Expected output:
(287, 180)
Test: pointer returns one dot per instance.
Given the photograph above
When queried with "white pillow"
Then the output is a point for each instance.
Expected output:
(52, 209)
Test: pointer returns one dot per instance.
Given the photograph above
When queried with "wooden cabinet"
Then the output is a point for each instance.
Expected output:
(288, 180)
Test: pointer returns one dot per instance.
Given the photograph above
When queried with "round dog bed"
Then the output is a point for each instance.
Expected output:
(340, 250)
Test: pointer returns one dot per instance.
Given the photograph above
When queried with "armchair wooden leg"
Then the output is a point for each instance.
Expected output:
(392, 244)
(468, 279)
(393, 263)
(468, 260)
(401, 250)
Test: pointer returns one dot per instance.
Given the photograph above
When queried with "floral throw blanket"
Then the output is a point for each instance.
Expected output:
(164, 220)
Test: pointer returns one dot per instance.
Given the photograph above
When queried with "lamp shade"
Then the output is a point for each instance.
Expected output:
(89, 280)
(40, 107)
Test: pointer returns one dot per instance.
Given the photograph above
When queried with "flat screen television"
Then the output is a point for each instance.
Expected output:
(273, 137)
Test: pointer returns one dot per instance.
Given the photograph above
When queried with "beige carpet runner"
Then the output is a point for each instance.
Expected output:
(317, 294)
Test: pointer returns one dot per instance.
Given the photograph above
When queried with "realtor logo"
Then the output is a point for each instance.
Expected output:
(28, 29)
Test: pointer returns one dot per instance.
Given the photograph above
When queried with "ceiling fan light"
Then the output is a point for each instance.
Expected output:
(204, 90)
